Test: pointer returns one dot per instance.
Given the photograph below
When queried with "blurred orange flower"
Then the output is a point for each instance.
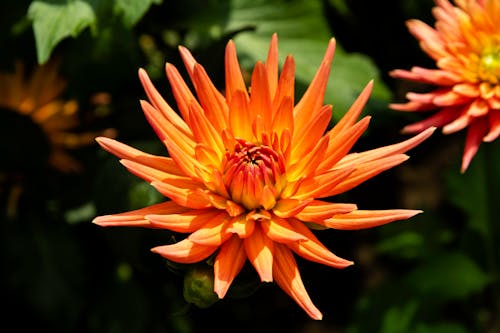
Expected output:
(38, 97)
(465, 44)
(247, 171)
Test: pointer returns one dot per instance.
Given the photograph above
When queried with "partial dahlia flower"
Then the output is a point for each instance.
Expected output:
(465, 44)
(38, 97)
(247, 171)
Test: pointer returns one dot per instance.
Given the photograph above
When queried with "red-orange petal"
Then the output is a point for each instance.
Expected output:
(213, 232)
(182, 221)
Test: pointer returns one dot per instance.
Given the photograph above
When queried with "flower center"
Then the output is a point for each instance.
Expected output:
(253, 175)
(489, 65)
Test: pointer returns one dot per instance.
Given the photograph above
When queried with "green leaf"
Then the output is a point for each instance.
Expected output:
(475, 190)
(399, 319)
(56, 20)
(448, 276)
(132, 10)
(304, 33)
(440, 328)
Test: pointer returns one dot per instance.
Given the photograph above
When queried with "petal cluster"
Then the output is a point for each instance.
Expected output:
(37, 96)
(248, 169)
(465, 45)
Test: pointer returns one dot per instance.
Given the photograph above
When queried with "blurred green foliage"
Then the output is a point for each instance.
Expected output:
(437, 273)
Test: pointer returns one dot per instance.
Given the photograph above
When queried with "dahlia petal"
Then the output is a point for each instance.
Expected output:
(213, 232)
(185, 251)
(241, 226)
(268, 198)
(272, 65)
(283, 118)
(320, 210)
(466, 89)
(287, 276)
(228, 263)
(352, 115)
(318, 186)
(124, 151)
(137, 218)
(366, 171)
(185, 220)
(475, 134)
(309, 162)
(189, 61)
(449, 98)
(362, 219)
(458, 124)
(354, 159)
(290, 207)
(260, 98)
(313, 98)
(150, 173)
(161, 105)
(439, 119)
(412, 106)
(182, 94)
(494, 123)
(341, 143)
(312, 249)
(234, 78)
(203, 130)
(212, 101)
(286, 85)
(259, 250)
(184, 193)
(478, 108)
(240, 119)
(279, 230)
(307, 136)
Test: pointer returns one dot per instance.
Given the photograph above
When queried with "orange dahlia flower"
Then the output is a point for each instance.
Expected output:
(247, 171)
(38, 97)
(466, 47)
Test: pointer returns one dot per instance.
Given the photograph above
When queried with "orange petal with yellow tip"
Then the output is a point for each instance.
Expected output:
(213, 232)
(279, 230)
(362, 219)
(312, 249)
(185, 251)
(287, 276)
(182, 221)
(137, 218)
(318, 210)
(260, 252)
(228, 263)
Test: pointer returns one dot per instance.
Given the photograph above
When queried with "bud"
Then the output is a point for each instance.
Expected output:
(199, 286)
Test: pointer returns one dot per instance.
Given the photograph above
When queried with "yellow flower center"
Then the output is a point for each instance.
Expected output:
(253, 175)
(489, 66)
